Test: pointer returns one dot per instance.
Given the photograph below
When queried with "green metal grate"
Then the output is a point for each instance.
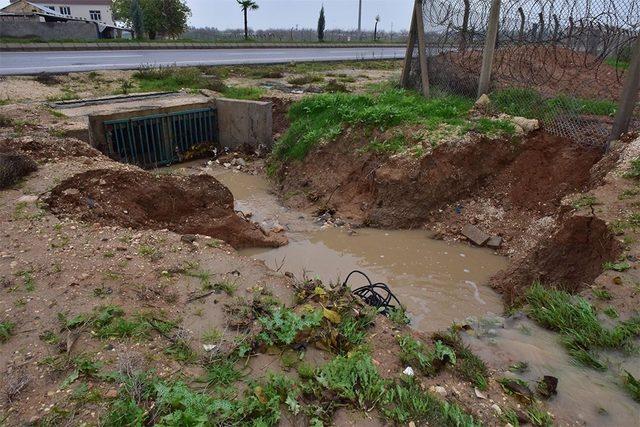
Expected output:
(157, 140)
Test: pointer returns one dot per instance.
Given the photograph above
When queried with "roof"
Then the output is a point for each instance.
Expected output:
(76, 2)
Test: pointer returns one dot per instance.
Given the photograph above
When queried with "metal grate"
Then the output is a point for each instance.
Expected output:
(157, 140)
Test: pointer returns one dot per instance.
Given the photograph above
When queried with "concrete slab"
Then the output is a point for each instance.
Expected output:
(244, 122)
(475, 235)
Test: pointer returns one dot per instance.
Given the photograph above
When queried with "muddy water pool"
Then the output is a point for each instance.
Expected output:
(439, 283)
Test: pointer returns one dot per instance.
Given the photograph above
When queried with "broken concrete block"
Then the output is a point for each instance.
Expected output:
(494, 242)
(528, 125)
(483, 101)
(477, 236)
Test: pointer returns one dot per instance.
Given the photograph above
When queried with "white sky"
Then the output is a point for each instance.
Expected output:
(343, 14)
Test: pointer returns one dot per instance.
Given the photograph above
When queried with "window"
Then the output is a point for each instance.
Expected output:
(95, 15)
(65, 10)
(52, 8)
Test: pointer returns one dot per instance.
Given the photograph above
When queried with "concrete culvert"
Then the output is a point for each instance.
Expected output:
(188, 205)
(13, 167)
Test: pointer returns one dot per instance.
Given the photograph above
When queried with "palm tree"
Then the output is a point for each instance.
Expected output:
(375, 30)
(247, 5)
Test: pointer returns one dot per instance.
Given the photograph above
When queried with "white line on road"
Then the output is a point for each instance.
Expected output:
(93, 56)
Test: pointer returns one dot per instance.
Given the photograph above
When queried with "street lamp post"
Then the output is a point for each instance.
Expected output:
(359, 19)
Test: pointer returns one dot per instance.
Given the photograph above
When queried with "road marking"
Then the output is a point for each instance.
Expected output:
(93, 57)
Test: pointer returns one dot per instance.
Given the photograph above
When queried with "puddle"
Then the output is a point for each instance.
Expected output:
(585, 396)
(438, 282)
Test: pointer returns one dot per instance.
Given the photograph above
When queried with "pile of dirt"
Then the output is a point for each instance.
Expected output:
(43, 147)
(190, 205)
(13, 167)
(570, 259)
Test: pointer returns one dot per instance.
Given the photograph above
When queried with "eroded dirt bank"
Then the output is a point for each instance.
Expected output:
(137, 199)
(508, 188)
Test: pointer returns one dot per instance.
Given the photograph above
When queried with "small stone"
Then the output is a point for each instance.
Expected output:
(226, 165)
(209, 347)
(475, 235)
(494, 242)
(412, 424)
(408, 371)
(71, 191)
(527, 125)
(28, 199)
(617, 280)
(479, 394)
(483, 101)
(278, 228)
(497, 409)
(438, 389)
(111, 394)
(188, 238)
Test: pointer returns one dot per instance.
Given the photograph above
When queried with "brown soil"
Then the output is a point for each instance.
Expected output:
(571, 259)
(41, 147)
(192, 205)
(280, 115)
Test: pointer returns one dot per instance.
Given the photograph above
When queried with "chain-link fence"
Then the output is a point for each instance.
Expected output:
(561, 61)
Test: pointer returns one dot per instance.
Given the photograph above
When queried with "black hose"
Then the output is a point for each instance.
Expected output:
(375, 294)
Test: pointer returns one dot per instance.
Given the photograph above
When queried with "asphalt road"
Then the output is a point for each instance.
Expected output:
(16, 63)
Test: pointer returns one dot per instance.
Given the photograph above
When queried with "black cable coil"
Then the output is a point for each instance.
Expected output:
(375, 294)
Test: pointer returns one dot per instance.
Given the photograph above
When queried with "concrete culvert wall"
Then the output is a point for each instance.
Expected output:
(189, 205)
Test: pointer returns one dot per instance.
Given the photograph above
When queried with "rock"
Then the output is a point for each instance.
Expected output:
(408, 371)
(412, 424)
(440, 390)
(475, 235)
(527, 125)
(483, 101)
(188, 238)
(28, 199)
(497, 409)
(548, 386)
(71, 192)
(209, 347)
(278, 228)
(479, 394)
(226, 165)
(111, 394)
(494, 242)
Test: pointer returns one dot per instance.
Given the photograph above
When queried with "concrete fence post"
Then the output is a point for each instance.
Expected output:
(489, 48)
(629, 96)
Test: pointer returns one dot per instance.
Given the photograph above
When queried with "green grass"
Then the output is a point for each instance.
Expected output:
(529, 103)
(305, 79)
(587, 200)
(321, 118)
(6, 330)
(468, 366)
(576, 320)
(241, 92)
(620, 64)
(616, 266)
(172, 78)
(414, 353)
(634, 170)
(632, 385)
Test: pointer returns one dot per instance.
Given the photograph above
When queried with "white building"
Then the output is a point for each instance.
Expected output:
(91, 10)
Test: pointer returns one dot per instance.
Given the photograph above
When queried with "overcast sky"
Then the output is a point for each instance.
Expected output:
(343, 14)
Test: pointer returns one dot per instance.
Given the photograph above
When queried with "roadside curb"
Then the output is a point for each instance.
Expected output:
(37, 47)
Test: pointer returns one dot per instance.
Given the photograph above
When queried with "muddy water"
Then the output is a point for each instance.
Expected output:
(437, 282)
(440, 283)
(585, 396)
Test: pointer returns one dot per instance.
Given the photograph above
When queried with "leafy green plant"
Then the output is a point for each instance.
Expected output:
(632, 385)
(634, 169)
(585, 201)
(6, 330)
(616, 266)
(283, 325)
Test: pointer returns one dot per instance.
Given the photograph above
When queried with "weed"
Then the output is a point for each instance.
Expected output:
(399, 316)
(109, 254)
(222, 372)
(6, 330)
(611, 312)
(616, 266)
(354, 378)
(575, 319)
(539, 417)
(519, 367)
(150, 252)
(305, 79)
(214, 243)
(50, 337)
(56, 113)
(174, 78)
(585, 201)
(211, 336)
(493, 128)
(239, 92)
(414, 353)
(27, 280)
(629, 193)
(405, 403)
(601, 294)
(321, 118)
(283, 325)
(634, 169)
(632, 385)
(469, 366)
(334, 86)
(393, 145)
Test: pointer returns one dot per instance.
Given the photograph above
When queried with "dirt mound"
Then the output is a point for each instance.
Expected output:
(43, 147)
(570, 259)
(13, 167)
(191, 205)
(280, 115)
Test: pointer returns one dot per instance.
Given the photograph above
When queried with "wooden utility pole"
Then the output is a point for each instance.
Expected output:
(629, 96)
(422, 47)
(408, 57)
(489, 48)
